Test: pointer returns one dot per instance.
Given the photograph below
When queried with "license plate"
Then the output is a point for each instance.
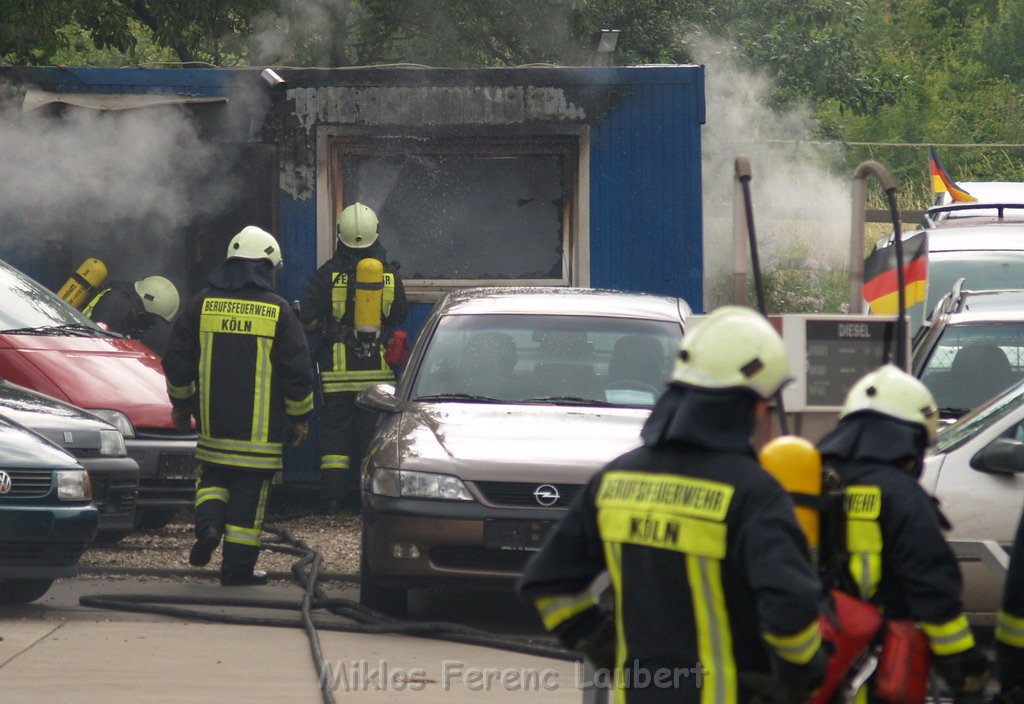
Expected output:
(515, 535)
(175, 465)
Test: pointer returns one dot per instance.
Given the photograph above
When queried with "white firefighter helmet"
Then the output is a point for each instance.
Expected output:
(255, 243)
(159, 296)
(733, 348)
(358, 226)
(890, 391)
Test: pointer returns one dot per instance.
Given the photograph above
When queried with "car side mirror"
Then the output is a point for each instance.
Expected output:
(380, 398)
(1002, 456)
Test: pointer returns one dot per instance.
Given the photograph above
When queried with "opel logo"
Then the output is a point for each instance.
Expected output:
(5, 483)
(546, 495)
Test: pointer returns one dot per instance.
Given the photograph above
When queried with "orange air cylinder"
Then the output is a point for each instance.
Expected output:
(84, 281)
(796, 465)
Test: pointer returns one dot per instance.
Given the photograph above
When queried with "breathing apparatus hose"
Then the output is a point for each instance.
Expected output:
(306, 572)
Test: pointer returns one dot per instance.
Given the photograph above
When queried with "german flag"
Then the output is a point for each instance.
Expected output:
(942, 183)
(881, 288)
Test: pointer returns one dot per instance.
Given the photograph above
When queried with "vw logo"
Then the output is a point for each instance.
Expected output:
(546, 495)
(5, 483)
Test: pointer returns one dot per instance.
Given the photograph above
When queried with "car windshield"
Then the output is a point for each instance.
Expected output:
(970, 425)
(28, 305)
(972, 363)
(556, 359)
(983, 271)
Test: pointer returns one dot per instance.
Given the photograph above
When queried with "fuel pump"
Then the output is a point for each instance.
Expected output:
(369, 298)
(84, 281)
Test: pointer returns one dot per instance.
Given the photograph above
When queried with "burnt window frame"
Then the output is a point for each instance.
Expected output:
(571, 145)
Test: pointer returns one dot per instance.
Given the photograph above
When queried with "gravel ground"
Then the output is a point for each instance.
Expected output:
(334, 536)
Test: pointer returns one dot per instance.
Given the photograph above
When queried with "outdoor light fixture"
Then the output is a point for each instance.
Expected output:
(605, 40)
(272, 78)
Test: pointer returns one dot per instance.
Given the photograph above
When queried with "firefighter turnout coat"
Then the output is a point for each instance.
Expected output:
(328, 309)
(711, 575)
(898, 558)
(240, 359)
(1010, 623)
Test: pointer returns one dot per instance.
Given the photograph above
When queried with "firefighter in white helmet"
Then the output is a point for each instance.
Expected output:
(896, 555)
(710, 571)
(238, 362)
(140, 310)
(352, 340)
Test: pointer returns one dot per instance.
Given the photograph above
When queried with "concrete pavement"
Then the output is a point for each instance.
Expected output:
(59, 652)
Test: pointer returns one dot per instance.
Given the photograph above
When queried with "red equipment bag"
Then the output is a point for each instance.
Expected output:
(902, 674)
(397, 348)
(850, 625)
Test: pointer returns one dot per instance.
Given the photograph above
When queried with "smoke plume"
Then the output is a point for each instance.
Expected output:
(800, 188)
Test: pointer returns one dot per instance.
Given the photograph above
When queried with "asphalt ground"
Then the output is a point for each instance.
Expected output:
(56, 650)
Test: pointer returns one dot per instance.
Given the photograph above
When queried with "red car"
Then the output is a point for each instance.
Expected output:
(50, 347)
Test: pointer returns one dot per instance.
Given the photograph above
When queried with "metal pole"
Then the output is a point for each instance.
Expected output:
(743, 175)
(889, 186)
(740, 240)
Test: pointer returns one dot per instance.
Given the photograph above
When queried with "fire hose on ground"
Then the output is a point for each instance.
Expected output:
(306, 573)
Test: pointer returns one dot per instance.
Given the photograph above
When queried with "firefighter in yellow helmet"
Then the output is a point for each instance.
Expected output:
(711, 573)
(351, 347)
(141, 310)
(896, 555)
(238, 362)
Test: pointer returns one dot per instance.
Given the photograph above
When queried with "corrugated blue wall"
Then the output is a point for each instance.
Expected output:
(645, 195)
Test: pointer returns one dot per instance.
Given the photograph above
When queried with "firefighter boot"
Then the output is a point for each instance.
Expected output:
(207, 540)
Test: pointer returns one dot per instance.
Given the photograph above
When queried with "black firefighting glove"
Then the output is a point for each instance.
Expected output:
(299, 430)
(965, 673)
(1010, 668)
(1013, 695)
(592, 633)
(181, 417)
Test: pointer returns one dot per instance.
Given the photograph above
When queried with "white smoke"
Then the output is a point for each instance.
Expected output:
(303, 32)
(118, 185)
(800, 189)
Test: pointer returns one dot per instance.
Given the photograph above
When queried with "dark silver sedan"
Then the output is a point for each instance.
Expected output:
(512, 399)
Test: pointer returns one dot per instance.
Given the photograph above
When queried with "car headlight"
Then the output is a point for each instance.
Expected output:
(112, 443)
(73, 485)
(419, 485)
(117, 419)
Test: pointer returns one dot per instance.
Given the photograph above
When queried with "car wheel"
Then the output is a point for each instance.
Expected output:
(386, 600)
(22, 591)
(153, 518)
(110, 537)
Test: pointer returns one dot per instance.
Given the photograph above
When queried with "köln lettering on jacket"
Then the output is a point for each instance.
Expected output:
(240, 317)
(664, 511)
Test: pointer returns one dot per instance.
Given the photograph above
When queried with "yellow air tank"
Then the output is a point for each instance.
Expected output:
(369, 295)
(796, 465)
(84, 281)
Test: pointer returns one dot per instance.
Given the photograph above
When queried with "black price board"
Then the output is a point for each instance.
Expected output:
(839, 352)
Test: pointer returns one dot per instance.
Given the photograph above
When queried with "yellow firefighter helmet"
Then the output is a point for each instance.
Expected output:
(890, 391)
(358, 226)
(159, 296)
(255, 243)
(734, 348)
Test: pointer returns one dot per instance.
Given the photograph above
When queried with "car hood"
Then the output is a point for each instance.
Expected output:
(22, 449)
(59, 422)
(498, 442)
(91, 372)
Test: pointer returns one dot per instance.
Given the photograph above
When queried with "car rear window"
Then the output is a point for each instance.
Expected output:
(983, 271)
(548, 359)
(972, 363)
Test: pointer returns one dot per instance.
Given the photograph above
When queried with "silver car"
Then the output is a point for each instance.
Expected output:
(512, 399)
